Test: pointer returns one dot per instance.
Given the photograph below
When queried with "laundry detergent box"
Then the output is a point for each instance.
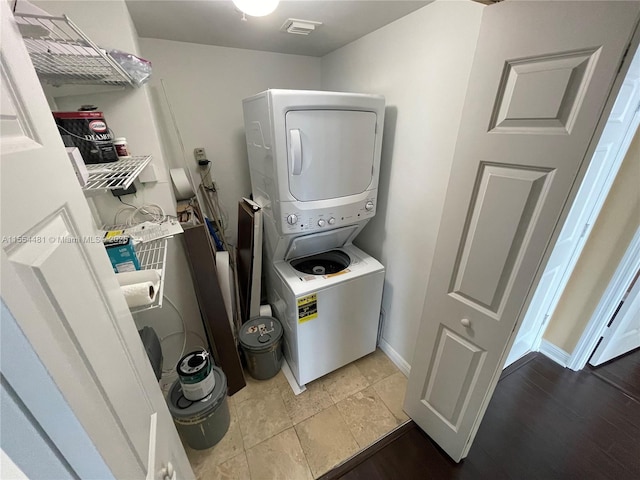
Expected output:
(122, 254)
(89, 132)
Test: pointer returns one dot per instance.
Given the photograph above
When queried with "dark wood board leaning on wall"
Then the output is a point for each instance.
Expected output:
(201, 255)
(244, 258)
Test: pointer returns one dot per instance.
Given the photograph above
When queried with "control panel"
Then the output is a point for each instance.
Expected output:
(323, 219)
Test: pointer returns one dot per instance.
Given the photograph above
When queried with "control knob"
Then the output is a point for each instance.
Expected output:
(321, 222)
(368, 206)
(292, 219)
(332, 221)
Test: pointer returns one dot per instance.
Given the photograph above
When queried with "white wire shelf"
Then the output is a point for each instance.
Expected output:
(62, 54)
(153, 256)
(119, 174)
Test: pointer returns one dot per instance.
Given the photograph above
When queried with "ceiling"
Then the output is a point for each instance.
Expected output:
(218, 22)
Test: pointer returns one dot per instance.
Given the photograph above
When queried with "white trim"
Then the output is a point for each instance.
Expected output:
(625, 272)
(556, 354)
(395, 357)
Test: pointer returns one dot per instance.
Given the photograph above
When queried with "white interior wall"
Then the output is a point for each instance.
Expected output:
(205, 86)
(421, 64)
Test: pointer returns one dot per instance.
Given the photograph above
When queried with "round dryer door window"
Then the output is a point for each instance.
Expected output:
(326, 263)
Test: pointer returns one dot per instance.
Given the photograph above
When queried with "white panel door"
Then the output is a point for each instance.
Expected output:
(58, 284)
(605, 163)
(623, 335)
(542, 74)
(330, 153)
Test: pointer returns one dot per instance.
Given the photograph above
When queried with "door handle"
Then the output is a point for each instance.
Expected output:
(295, 151)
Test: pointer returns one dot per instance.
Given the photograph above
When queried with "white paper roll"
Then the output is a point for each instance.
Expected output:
(265, 311)
(139, 294)
(225, 281)
(139, 276)
(140, 287)
(181, 184)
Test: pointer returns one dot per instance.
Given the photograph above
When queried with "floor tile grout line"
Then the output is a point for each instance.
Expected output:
(386, 404)
(388, 409)
(246, 452)
(279, 388)
(262, 441)
(344, 420)
(350, 433)
(306, 459)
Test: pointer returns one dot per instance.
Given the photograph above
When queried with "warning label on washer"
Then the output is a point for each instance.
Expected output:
(307, 308)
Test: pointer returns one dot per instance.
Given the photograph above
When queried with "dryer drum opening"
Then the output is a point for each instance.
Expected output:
(326, 263)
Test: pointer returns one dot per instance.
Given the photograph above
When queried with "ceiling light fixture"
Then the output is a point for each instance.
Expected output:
(256, 8)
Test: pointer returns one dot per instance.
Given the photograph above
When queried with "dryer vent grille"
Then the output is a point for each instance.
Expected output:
(299, 27)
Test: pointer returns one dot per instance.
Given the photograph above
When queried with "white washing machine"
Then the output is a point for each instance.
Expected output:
(330, 304)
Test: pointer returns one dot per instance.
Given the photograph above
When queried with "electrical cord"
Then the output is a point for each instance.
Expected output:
(203, 177)
(189, 332)
(151, 211)
(127, 204)
(157, 216)
(184, 332)
(184, 341)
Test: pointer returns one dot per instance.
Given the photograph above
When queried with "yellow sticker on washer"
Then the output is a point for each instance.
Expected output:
(307, 308)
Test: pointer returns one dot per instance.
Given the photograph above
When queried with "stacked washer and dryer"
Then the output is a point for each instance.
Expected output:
(314, 161)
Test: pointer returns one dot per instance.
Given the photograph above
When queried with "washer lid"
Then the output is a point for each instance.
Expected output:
(182, 408)
(260, 333)
(320, 242)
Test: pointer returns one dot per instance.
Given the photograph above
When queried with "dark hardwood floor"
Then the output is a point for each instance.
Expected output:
(623, 373)
(544, 422)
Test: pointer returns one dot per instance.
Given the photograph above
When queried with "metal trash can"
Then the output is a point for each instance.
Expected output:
(261, 342)
(202, 423)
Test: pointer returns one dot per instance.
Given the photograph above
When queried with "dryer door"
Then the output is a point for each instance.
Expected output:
(330, 153)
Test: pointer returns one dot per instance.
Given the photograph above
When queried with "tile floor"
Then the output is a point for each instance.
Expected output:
(275, 435)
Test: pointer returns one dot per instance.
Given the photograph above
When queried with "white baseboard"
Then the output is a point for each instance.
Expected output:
(554, 353)
(395, 357)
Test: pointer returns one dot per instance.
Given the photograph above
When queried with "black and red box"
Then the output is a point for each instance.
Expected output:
(89, 132)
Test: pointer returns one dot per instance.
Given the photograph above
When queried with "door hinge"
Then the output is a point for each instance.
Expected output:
(584, 230)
